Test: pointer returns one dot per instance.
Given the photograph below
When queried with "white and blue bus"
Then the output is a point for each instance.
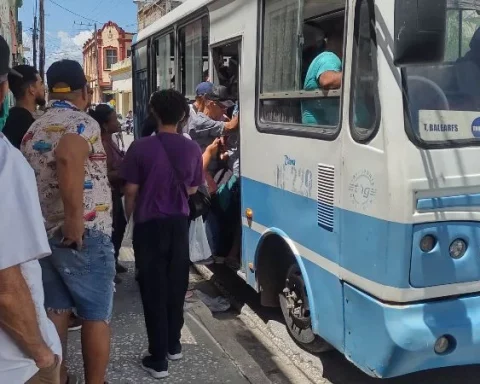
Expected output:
(366, 232)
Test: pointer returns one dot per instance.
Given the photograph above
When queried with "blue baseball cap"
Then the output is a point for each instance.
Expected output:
(204, 88)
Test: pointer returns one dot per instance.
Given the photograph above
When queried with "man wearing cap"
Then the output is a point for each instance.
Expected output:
(65, 150)
(209, 124)
(30, 349)
(198, 105)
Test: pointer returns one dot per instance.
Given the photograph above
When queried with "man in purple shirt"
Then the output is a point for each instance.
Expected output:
(161, 172)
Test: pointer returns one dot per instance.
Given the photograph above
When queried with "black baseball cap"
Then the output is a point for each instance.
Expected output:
(66, 76)
(5, 61)
(220, 94)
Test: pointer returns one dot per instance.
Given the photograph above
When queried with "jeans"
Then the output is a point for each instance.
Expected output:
(163, 280)
(80, 279)
(212, 230)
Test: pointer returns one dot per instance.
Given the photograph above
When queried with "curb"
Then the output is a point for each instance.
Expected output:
(252, 320)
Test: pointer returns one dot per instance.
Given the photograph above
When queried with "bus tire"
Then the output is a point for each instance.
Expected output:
(296, 311)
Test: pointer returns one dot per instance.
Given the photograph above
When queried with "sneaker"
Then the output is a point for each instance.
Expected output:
(157, 369)
(75, 324)
(176, 354)
(120, 268)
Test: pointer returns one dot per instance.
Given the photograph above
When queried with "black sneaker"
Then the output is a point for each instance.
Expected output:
(158, 369)
(175, 354)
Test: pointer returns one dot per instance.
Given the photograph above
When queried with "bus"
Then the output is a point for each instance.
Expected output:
(364, 229)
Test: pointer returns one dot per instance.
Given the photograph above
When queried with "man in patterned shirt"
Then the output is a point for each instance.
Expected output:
(66, 152)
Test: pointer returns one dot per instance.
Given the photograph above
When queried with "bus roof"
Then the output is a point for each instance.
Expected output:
(185, 9)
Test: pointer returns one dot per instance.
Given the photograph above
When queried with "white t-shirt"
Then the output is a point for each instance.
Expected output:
(23, 241)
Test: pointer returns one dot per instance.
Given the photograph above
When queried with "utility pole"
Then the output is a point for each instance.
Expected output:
(35, 28)
(35, 35)
(97, 60)
(42, 39)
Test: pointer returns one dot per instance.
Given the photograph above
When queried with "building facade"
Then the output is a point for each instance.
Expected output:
(110, 45)
(149, 11)
(121, 76)
(11, 28)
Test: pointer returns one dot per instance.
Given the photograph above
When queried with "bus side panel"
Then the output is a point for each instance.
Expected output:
(291, 216)
(250, 242)
(327, 293)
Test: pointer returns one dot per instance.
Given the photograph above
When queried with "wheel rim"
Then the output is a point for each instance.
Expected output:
(295, 294)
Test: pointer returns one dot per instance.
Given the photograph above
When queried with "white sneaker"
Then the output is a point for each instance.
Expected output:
(176, 357)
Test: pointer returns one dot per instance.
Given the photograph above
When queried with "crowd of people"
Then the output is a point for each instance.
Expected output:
(69, 192)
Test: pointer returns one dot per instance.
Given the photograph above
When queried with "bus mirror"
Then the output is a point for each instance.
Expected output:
(420, 27)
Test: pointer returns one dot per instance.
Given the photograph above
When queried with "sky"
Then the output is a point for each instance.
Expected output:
(69, 23)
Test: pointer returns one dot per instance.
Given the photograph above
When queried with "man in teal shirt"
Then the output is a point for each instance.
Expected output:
(325, 72)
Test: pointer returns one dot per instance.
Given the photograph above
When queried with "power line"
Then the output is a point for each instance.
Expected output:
(84, 17)
(74, 13)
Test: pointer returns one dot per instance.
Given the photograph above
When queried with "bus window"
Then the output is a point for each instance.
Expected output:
(141, 89)
(226, 67)
(164, 67)
(302, 53)
(365, 112)
(442, 100)
(193, 56)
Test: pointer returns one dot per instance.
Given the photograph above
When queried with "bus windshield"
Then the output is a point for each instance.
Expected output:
(443, 100)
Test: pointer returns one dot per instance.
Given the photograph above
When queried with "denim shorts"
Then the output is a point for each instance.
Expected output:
(81, 279)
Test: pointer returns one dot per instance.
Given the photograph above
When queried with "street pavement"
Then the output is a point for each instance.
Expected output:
(205, 361)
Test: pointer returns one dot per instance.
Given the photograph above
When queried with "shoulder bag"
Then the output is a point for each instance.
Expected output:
(199, 203)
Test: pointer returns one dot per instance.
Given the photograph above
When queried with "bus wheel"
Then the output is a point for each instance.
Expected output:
(296, 311)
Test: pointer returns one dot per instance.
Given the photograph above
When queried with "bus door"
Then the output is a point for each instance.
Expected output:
(227, 71)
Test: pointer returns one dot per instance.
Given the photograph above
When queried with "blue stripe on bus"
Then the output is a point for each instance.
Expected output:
(458, 201)
(376, 249)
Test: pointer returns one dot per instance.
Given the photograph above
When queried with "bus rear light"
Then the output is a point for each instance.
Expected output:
(427, 243)
(458, 249)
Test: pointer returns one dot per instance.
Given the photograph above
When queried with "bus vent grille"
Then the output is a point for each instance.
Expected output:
(325, 196)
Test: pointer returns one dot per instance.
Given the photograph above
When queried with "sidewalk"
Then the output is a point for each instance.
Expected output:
(204, 362)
